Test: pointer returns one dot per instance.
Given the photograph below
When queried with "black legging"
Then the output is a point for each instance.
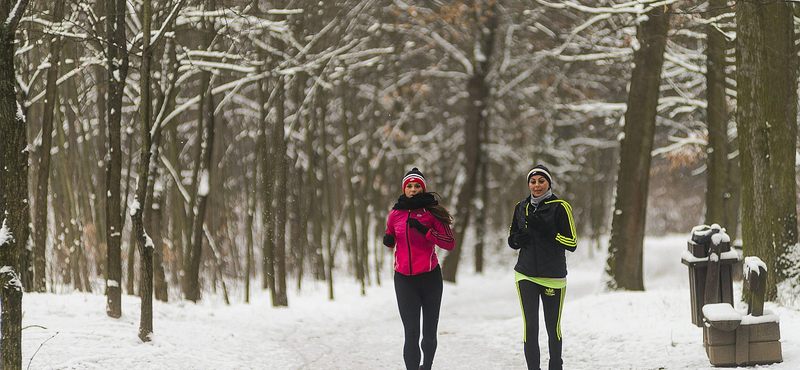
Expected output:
(417, 293)
(552, 300)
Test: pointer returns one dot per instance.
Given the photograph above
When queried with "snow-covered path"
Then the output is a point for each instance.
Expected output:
(480, 326)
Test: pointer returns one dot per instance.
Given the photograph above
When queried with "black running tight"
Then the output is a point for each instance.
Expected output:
(552, 301)
(415, 294)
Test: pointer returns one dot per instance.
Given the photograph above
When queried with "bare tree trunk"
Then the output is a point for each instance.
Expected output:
(192, 289)
(193, 292)
(267, 178)
(279, 296)
(480, 214)
(479, 94)
(100, 139)
(117, 73)
(625, 260)
(251, 210)
(327, 195)
(766, 78)
(299, 220)
(314, 205)
(43, 169)
(350, 186)
(719, 177)
(14, 211)
(600, 173)
(179, 207)
(156, 217)
(144, 244)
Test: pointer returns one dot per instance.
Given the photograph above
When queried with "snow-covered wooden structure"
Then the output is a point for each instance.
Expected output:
(733, 338)
(711, 263)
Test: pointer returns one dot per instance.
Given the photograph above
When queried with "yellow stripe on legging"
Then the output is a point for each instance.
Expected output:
(560, 310)
(522, 308)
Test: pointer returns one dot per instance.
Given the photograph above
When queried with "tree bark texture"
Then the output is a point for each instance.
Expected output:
(478, 89)
(625, 260)
(117, 73)
(43, 169)
(205, 163)
(14, 208)
(279, 294)
(767, 123)
(144, 244)
(720, 179)
(267, 151)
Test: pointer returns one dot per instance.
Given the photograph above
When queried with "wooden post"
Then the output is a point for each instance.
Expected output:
(712, 274)
(755, 281)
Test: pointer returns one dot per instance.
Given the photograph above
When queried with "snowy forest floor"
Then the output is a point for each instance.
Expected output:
(480, 325)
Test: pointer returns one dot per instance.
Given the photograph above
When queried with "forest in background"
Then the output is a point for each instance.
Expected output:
(255, 140)
(366, 90)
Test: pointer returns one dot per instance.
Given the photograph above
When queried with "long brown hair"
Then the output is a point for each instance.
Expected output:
(438, 210)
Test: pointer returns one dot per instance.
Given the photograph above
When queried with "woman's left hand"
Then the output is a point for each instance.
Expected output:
(544, 228)
(413, 222)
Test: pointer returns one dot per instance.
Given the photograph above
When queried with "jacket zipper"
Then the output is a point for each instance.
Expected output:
(408, 243)
(535, 250)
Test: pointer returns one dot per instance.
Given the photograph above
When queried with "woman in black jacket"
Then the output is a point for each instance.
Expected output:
(542, 229)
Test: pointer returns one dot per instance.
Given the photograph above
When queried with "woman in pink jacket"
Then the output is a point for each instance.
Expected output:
(416, 224)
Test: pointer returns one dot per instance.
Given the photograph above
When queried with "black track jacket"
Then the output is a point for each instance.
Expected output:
(543, 257)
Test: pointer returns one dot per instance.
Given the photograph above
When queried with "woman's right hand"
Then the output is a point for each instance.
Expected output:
(522, 238)
(388, 240)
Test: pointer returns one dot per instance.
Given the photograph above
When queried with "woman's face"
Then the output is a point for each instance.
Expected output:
(412, 189)
(538, 185)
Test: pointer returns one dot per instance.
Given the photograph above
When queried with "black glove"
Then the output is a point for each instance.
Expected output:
(388, 240)
(413, 222)
(522, 238)
(542, 227)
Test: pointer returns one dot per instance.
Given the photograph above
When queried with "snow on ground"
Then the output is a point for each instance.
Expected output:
(480, 325)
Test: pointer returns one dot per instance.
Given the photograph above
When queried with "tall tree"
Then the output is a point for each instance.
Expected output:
(721, 200)
(150, 133)
(43, 169)
(351, 186)
(478, 87)
(14, 216)
(626, 252)
(267, 178)
(144, 244)
(208, 122)
(117, 59)
(279, 294)
(766, 79)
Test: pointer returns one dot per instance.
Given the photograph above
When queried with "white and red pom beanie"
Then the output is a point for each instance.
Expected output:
(414, 176)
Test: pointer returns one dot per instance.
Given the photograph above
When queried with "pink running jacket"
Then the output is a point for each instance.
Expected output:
(414, 252)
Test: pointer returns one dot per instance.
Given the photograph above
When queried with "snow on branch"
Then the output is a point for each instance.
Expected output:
(57, 29)
(15, 15)
(204, 186)
(595, 56)
(593, 107)
(13, 282)
(692, 139)
(5, 233)
(217, 90)
(686, 65)
(175, 176)
(454, 51)
(633, 7)
(167, 24)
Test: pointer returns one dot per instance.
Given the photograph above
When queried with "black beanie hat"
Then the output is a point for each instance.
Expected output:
(540, 170)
